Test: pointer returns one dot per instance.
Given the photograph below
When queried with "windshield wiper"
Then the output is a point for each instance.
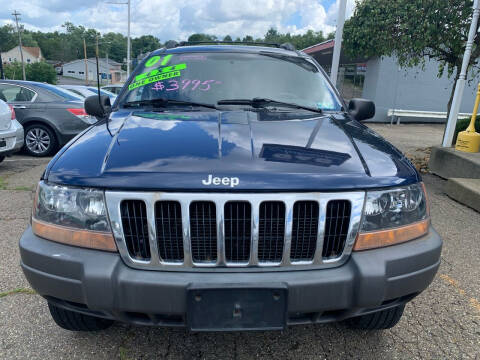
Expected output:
(261, 103)
(162, 103)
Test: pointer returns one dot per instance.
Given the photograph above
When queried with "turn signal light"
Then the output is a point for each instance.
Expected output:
(76, 237)
(382, 238)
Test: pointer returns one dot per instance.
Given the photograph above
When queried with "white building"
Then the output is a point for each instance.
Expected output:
(30, 55)
(111, 70)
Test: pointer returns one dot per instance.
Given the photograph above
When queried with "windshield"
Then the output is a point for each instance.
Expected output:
(211, 77)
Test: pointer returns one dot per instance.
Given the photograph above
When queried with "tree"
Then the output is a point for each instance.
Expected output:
(39, 71)
(413, 31)
(8, 39)
(42, 72)
(145, 44)
(202, 37)
(13, 71)
(227, 38)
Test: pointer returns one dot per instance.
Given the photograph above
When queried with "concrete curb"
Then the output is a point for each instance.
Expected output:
(450, 163)
(465, 191)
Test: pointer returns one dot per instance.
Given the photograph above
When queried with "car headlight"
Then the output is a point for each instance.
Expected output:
(74, 216)
(393, 216)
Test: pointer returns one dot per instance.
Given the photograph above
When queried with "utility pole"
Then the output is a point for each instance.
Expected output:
(338, 41)
(460, 85)
(128, 32)
(86, 64)
(2, 75)
(17, 14)
(108, 69)
(128, 42)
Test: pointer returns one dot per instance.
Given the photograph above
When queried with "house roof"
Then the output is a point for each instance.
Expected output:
(33, 50)
(321, 46)
(110, 61)
(103, 61)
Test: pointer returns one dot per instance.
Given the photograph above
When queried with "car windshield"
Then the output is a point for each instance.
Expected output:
(211, 77)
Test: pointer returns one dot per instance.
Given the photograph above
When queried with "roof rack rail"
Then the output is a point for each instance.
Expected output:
(286, 46)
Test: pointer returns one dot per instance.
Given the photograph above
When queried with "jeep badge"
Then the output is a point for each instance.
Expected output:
(233, 181)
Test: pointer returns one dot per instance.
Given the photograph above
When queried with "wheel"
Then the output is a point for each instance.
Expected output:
(2, 158)
(40, 140)
(384, 319)
(73, 321)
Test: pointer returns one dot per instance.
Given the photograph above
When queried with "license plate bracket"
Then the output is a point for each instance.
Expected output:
(236, 308)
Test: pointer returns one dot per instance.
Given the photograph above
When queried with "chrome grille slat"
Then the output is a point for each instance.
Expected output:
(203, 232)
(184, 227)
(135, 224)
(304, 230)
(168, 221)
(271, 231)
(337, 214)
(238, 226)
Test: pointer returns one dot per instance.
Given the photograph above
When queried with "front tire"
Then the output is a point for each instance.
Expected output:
(40, 140)
(380, 320)
(2, 158)
(70, 320)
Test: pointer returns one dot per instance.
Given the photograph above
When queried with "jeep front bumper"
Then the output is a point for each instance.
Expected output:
(99, 283)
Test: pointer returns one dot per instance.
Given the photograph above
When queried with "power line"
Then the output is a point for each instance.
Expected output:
(17, 14)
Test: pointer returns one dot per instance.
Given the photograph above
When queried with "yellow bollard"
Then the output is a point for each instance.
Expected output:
(469, 140)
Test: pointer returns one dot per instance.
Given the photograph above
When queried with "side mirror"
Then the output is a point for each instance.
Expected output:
(361, 109)
(99, 107)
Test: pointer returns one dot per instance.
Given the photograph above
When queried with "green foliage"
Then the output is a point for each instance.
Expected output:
(462, 125)
(144, 44)
(202, 37)
(13, 71)
(413, 30)
(227, 38)
(40, 71)
(7, 38)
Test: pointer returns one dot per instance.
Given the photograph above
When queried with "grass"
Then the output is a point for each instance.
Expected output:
(3, 184)
(17, 291)
(22, 188)
(123, 353)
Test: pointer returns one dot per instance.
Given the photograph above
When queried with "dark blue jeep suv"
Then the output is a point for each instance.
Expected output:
(229, 188)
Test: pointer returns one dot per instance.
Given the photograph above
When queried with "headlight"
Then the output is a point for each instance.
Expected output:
(393, 216)
(74, 216)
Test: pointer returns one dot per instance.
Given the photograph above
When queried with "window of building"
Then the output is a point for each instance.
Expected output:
(81, 72)
(28, 60)
(71, 72)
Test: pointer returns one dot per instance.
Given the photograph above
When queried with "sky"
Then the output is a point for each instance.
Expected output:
(177, 19)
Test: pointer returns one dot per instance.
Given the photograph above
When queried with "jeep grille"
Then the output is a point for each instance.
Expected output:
(167, 230)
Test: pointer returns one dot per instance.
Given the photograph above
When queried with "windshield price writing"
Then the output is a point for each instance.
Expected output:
(185, 84)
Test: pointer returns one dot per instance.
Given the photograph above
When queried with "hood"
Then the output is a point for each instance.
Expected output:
(205, 150)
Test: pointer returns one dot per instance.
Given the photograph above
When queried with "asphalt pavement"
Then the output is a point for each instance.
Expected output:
(443, 322)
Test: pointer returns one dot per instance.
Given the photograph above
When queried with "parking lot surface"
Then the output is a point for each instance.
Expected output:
(443, 322)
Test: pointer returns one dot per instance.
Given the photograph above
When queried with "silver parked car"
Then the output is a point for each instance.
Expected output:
(114, 88)
(86, 91)
(11, 131)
